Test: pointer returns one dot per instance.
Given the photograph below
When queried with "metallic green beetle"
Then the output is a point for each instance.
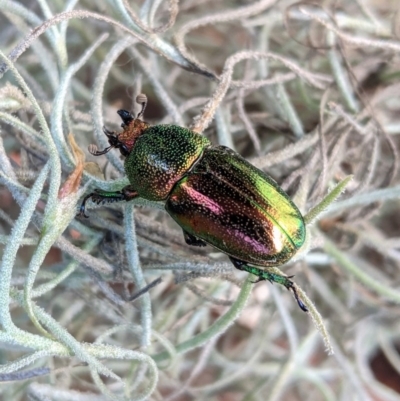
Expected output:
(215, 195)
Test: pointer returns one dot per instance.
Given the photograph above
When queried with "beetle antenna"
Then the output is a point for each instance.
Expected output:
(141, 99)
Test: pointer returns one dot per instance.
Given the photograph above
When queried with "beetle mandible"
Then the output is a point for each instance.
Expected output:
(216, 196)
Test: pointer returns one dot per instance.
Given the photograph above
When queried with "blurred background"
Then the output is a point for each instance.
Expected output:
(307, 92)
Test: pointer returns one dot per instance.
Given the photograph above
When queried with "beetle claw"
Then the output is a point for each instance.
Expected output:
(291, 286)
(108, 132)
(82, 212)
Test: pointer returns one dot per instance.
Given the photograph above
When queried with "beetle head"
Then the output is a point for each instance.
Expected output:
(132, 129)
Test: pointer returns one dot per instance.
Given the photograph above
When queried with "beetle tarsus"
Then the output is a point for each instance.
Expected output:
(83, 206)
(82, 212)
(271, 277)
(145, 289)
(292, 287)
(98, 196)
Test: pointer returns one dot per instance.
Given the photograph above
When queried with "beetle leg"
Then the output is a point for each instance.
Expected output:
(98, 196)
(192, 240)
(260, 279)
(271, 277)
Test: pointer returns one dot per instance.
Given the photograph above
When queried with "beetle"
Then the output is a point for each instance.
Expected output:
(215, 195)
